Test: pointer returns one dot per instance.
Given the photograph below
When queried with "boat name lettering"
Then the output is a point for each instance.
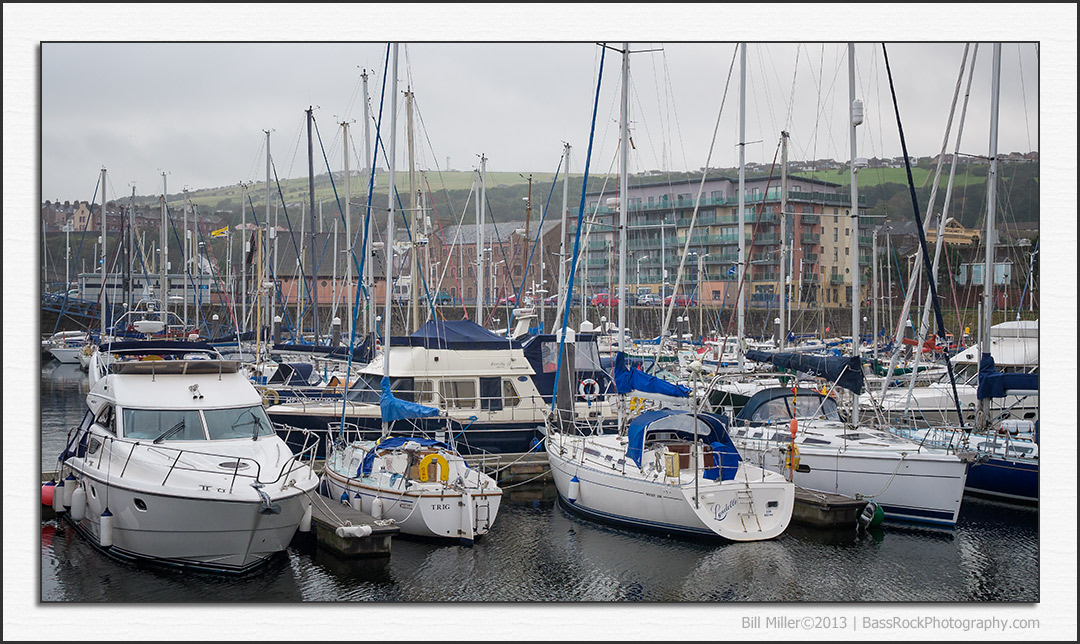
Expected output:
(441, 506)
(720, 513)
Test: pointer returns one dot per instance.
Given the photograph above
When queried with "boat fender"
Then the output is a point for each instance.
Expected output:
(69, 490)
(353, 531)
(871, 516)
(106, 536)
(574, 491)
(357, 502)
(58, 498)
(78, 503)
(305, 521)
(344, 498)
(444, 467)
(377, 508)
(589, 389)
(47, 490)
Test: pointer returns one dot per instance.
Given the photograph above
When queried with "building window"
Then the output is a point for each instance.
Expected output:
(835, 232)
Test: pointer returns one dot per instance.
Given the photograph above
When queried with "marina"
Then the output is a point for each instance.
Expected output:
(517, 402)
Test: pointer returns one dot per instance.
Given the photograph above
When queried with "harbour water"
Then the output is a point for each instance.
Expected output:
(540, 553)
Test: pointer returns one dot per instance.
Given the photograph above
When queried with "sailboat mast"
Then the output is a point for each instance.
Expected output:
(565, 298)
(369, 271)
(348, 236)
(104, 261)
(480, 291)
(784, 246)
(624, 155)
(742, 207)
(390, 221)
(265, 271)
(185, 255)
(311, 213)
(414, 254)
(244, 247)
(163, 254)
(991, 198)
(856, 118)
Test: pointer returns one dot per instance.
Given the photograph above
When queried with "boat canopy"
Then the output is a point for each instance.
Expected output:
(455, 334)
(995, 384)
(394, 442)
(628, 380)
(844, 371)
(292, 373)
(681, 423)
(157, 347)
(781, 404)
(361, 353)
(394, 408)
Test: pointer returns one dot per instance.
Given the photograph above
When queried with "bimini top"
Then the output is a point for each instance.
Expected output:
(683, 424)
(844, 371)
(781, 404)
(455, 334)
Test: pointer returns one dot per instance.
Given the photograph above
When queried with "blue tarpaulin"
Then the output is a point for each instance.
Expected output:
(995, 384)
(844, 371)
(396, 409)
(711, 427)
(454, 334)
(628, 380)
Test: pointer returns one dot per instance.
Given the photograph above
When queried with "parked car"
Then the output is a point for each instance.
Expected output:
(603, 299)
(681, 300)
(445, 298)
(648, 299)
(553, 300)
(508, 301)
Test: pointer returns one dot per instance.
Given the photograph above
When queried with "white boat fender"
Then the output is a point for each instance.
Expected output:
(574, 491)
(69, 490)
(377, 508)
(305, 521)
(106, 536)
(354, 531)
(78, 503)
(357, 502)
(58, 497)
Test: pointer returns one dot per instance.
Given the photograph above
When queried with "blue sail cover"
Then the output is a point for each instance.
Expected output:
(455, 334)
(995, 384)
(628, 380)
(845, 371)
(392, 443)
(710, 426)
(396, 409)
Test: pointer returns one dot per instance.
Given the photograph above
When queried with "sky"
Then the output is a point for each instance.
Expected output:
(189, 90)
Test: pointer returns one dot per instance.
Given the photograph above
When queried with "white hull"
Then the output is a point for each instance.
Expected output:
(756, 505)
(66, 355)
(462, 507)
(223, 535)
(910, 485)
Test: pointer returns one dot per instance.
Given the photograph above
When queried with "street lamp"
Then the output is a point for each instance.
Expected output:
(639, 272)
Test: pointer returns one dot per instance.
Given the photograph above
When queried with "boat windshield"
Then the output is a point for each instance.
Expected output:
(239, 422)
(192, 425)
(166, 424)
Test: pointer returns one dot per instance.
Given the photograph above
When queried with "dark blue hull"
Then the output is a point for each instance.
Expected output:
(1005, 479)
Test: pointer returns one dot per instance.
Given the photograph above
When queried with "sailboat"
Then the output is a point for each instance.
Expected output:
(671, 471)
(421, 484)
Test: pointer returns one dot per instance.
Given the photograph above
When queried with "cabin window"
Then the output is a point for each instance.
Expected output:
(426, 391)
(166, 425)
(490, 395)
(239, 422)
(510, 394)
(107, 419)
(458, 394)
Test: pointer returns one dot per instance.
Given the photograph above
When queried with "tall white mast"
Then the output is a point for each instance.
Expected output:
(624, 155)
(243, 256)
(414, 250)
(856, 117)
(480, 290)
(742, 206)
(369, 271)
(983, 417)
(272, 230)
(564, 298)
(186, 255)
(348, 236)
(163, 254)
(784, 248)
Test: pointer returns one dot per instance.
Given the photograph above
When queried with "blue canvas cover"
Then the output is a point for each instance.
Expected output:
(391, 443)
(628, 380)
(160, 347)
(292, 373)
(844, 371)
(394, 408)
(712, 427)
(454, 334)
(995, 384)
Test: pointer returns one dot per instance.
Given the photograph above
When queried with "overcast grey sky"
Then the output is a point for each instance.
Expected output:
(198, 111)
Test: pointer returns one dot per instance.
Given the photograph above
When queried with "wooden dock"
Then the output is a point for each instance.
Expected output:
(824, 510)
(328, 515)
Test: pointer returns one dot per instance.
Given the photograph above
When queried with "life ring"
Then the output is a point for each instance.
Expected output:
(589, 389)
(269, 396)
(444, 467)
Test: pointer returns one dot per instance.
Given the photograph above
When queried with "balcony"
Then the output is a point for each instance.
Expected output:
(836, 278)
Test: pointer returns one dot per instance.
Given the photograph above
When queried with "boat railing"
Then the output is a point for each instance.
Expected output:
(184, 459)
